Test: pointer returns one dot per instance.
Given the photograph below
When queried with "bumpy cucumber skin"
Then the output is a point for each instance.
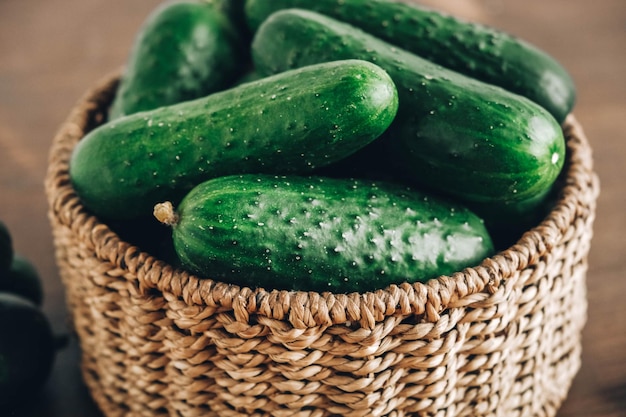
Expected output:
(476, 50)
(290, 122)
(184, 50)
(323, 234)
(466, 138)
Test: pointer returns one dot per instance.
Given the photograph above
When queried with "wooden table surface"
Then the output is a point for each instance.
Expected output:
(53, 50)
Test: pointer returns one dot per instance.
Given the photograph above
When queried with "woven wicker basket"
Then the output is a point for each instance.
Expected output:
(501, 339)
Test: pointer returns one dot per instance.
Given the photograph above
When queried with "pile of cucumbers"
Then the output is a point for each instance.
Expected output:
(27, 342)
(334, 145)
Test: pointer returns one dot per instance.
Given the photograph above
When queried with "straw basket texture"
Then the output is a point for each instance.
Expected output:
(501, 339)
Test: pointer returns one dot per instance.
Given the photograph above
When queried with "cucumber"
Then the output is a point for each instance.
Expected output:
(289, 122)
(235, 10)
(454, 134)
(23, 280)
(321, 234)
(479, 51)
(6, 248)
(184, 50)
(27, 350)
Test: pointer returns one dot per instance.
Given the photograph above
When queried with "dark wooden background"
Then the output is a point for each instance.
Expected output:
(51, 51)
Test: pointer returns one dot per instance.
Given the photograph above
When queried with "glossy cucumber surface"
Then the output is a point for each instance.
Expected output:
(475, 141)
(184, 50)
(321, 234)
(291, 122)
(474, 49)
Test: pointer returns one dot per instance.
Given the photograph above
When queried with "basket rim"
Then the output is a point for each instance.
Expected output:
(308, 309)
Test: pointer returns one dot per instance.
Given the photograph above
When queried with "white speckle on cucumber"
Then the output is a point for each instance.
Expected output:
(555, 158)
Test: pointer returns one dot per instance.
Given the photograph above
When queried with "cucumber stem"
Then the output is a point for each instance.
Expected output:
(164, 212)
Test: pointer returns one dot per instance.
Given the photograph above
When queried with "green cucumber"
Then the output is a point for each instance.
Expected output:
(184, 50)
(321, 234)
(477, 50)
(455, 134)
(23, 280)
(235, 10)
(6, 248)
(289, 122)
(27, 350)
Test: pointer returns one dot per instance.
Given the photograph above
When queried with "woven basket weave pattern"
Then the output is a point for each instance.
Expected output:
(501, 339)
